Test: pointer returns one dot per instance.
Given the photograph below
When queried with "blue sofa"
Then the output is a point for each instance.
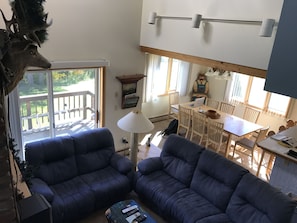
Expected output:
(80, 173)
(188, 183)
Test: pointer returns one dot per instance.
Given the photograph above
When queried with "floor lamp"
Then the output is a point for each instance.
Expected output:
(135, 122)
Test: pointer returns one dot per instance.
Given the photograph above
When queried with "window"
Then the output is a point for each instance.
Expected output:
(278, 102)
(250, 91)
(239, 87)
(173, 74)
(161, 75)
(257, 95)
(165, 75)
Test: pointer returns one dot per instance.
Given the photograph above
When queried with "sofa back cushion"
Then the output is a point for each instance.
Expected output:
(216, 178)
(94, 149)
(49, 156)
(179, 157)
(256, 201)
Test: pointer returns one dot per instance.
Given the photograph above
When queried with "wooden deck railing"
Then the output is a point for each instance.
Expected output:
(67, 106)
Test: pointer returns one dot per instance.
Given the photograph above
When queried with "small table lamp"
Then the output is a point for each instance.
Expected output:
(135, 122)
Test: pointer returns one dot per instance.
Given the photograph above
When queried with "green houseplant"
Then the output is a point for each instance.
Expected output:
(19, 41)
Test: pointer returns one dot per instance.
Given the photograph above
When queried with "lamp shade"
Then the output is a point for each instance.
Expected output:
(135, 122)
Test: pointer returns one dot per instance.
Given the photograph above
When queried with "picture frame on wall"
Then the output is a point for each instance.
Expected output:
(130, 101)
(129, 88)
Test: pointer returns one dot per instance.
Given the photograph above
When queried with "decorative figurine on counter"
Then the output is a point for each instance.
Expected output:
(200, 87)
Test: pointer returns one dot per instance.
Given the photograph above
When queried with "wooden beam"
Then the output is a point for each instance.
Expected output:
(207, 62)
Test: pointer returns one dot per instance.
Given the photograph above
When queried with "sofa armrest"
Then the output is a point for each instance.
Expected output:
(150, 165)
(38, 186)
(121, 164)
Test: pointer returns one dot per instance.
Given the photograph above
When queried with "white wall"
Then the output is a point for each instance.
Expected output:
(96, 29)
(113, 30)
(233, 43)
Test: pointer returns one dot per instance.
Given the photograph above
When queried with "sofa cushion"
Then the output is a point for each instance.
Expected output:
(50, 156)
(121, 164)
(256, 201)
(94, 149)
(216, 178)
(38, 186)
(187, 206)
(73, 200)
(179, 157)
(107, 185)
(150, 165)
(157, 188)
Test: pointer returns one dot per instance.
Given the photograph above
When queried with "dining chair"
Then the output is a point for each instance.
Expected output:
(184, 120)
(212, 103)
(251, 114)
(282, 128)
(269, 164)
(198, 126)
(227, 108)
(246, 146)
(215, 136)
(173, 100)
(290, 123)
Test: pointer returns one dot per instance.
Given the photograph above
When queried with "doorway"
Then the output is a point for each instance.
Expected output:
(57, 102)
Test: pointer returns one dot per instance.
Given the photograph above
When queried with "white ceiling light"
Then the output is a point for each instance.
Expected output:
(265, 31)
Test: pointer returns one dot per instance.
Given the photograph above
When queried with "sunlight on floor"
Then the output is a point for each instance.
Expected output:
(245, 161)
(155, 138)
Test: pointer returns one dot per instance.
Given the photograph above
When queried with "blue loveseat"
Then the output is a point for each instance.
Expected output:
(80, 173)
(188, 184)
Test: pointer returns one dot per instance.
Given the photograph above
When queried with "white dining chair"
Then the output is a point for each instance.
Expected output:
(173, 100)
(251, 114)
(269, 163)
(215, 136)
(246, 146)
(198, 126)
(184, 120)
(227, 108)
(212, 103)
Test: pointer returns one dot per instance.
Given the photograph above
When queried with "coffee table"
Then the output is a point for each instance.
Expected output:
(114, 213)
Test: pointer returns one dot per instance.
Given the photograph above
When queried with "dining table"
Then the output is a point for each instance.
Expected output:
(233, 125)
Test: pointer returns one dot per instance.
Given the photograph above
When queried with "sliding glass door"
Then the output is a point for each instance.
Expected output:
(57, 102)
(34, 106)
(73, 100)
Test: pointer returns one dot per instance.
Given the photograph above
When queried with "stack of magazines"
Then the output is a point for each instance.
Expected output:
(285, 140)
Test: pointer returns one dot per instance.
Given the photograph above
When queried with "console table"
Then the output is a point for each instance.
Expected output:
(284, 171)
